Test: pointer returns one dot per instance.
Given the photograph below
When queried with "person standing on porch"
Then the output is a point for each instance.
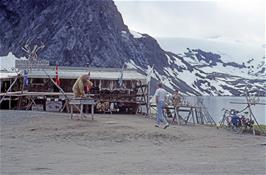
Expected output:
(177, 99)
(160, 95)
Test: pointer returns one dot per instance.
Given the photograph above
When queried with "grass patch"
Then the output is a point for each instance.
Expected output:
(259, 128)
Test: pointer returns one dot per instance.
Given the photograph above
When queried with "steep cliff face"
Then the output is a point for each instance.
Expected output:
(75, 33)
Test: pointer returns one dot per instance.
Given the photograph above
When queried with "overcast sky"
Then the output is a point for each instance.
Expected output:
(236, 20)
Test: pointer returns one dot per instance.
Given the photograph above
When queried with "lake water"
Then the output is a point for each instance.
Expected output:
(215, 106)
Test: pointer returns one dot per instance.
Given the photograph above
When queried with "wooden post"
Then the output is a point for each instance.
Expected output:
(143, 94)
(189, 113)
(192, 114)
(81, 111)
(253, 131)
(92, 112)
(100, 85)
(71, 109)
(9, 104)
(201, 116)
(196, 113)
(223, 119)
(44, 103)
(110, 85)
(252, 115)
(67, 105)
(177, 115)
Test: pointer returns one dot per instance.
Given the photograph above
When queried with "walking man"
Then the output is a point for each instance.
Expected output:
(160, 95)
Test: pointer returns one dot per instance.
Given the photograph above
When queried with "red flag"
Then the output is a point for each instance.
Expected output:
(56, 75)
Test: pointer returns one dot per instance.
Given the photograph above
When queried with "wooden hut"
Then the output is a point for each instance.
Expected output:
(41, 90)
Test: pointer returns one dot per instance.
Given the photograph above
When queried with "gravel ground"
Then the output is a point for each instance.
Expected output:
(51, 143)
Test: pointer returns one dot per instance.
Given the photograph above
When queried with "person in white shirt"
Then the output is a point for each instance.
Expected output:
(160, 95)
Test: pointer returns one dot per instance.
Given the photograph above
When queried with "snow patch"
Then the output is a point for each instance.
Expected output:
(136, 34)
(132, 65)
(179, 62)
(169, 71)
(168, 59)
(125, 35)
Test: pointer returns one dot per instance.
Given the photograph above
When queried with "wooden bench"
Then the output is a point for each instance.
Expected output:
(82, 102)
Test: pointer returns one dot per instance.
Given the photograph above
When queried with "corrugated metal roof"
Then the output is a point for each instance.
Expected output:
(96, 73)
(7, 75)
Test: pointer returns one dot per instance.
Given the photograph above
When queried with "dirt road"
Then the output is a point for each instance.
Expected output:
(51, 143)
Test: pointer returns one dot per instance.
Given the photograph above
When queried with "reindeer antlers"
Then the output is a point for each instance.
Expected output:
(32, 54)
(26, 47)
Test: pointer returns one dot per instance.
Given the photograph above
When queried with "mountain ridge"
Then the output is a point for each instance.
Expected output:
(78, 33)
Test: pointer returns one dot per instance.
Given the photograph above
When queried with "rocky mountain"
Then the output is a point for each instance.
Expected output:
(75, 33)
(80, 32)
(219, 67)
